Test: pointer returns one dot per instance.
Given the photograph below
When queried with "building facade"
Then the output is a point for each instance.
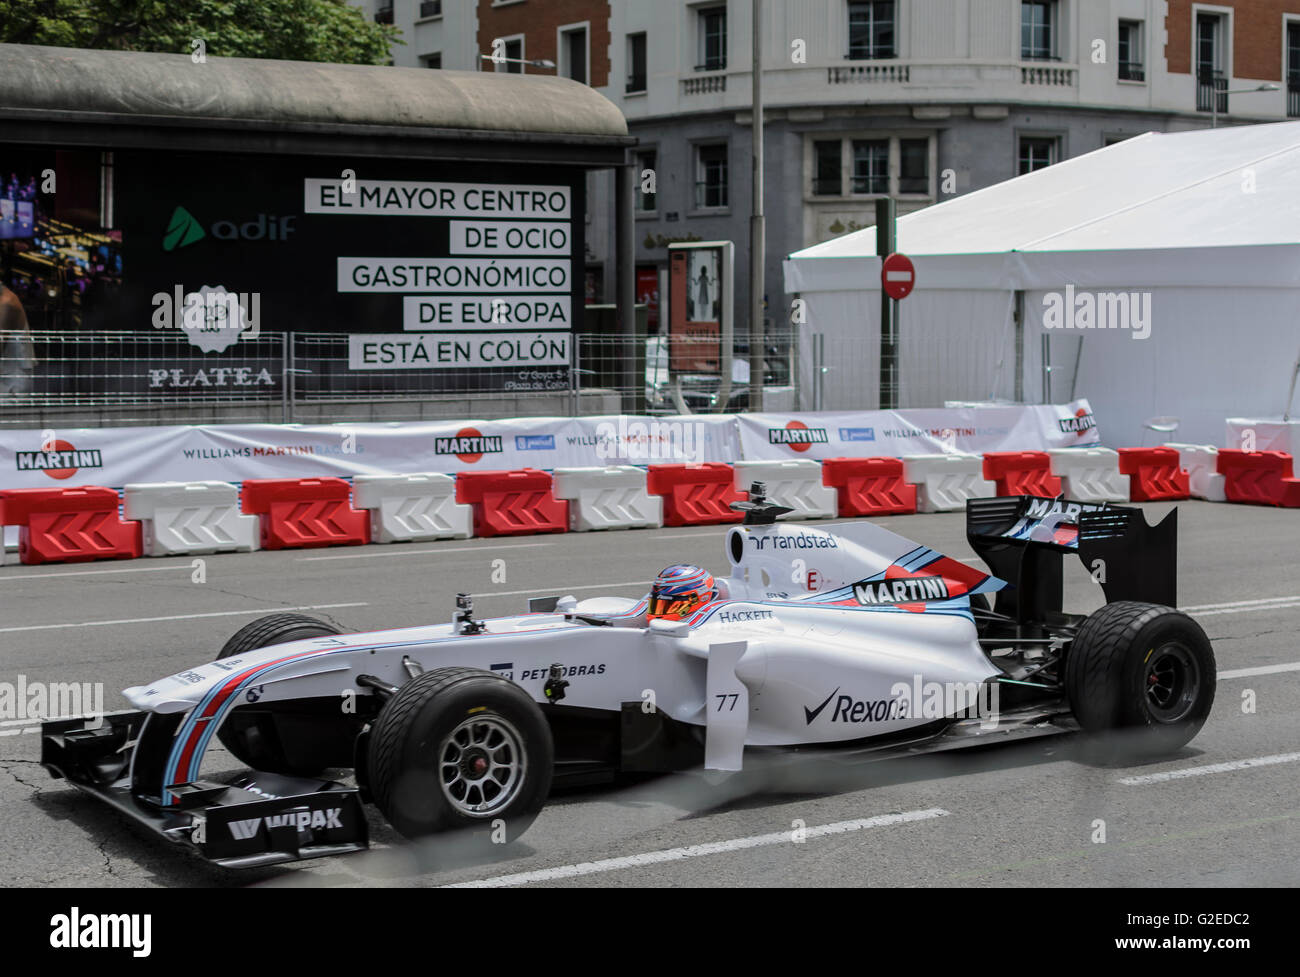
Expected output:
(920, 100)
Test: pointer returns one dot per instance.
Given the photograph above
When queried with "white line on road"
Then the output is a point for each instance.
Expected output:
(695, 851)
(1240, 603)
(1243, 610)
(174, 568)
(544, 591)
(1259, 761)
(181, 617)
(1260, 670)
(403, 551)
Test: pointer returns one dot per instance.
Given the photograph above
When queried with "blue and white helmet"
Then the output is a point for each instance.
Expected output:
(679, 590)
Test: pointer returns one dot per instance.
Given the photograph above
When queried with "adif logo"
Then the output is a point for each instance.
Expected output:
(98, 931)
(1098, 310)
(301, 820)
(184, 229)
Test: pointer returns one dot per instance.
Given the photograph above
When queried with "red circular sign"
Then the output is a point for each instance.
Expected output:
(59, 473)
(897, 276)
(796, 445)
(470, 458)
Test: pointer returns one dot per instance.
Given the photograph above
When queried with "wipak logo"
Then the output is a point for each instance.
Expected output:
(302, 820)
(182, 230)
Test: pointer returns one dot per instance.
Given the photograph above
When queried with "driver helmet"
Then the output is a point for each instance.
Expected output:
(679, 590)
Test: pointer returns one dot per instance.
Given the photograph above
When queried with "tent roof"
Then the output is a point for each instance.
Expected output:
(1234, 186)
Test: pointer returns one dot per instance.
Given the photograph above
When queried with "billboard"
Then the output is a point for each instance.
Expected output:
(700, 306)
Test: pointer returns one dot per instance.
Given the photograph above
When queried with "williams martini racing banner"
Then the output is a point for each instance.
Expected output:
(923, 431)
(233, 452)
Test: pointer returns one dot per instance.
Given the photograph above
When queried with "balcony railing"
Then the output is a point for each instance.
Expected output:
(1047, 76)
(858, 73)
(1130, 71)
(704, 85)
(1211, 86)
(1293, 98)
(430, 8)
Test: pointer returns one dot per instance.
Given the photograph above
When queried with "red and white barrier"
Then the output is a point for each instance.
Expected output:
(304, 512)
(412, 508)
(944, 482)
(1259, 478)
(797, 484)
(695, 495)
(869, 486)
(68, 525)
(178, 518)
(1089, 474)
(608, 498)
(1201, 462)
(512, 503)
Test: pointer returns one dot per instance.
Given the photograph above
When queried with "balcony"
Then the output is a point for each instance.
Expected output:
(704, 84)
(430, 8)
(1050, 76)
(1130, 71)
(1211, 86)
(867, 73)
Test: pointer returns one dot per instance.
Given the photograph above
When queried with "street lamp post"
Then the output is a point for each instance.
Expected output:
(1214, 101)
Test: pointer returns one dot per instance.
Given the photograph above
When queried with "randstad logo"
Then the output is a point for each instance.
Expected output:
(184, 229)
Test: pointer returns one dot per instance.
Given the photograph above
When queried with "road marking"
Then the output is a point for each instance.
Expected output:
(544, 591)
(180, 617)
(91, 573)
(1260, 670)
(403, 551)
(695, 851)
(1229, 767)
(1243, 610)
(1261, 604)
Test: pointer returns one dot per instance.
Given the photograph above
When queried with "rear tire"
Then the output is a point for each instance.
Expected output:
(1141, 677)
(257, 744)
(464, 750)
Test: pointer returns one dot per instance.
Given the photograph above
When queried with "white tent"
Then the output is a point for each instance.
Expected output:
(1204, 226)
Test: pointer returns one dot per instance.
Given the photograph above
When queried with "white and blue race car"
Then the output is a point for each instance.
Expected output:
(850, 641)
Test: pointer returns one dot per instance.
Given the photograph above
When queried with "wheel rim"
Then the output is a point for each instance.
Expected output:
(481, 765)
(1173, 683)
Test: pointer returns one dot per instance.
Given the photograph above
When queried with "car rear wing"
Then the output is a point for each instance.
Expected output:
(1022, 538)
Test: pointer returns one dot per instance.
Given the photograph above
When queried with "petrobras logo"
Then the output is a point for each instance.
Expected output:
(534, 442)
(301, 820)
(469, 445)
(857, 434)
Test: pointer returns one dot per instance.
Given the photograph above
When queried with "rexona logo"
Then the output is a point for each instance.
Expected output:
(798, 435)
(302, 820)
(900, 591)
(850, 710)
(185, 229)
(469, 445)
(58, 460)
(1080, 424)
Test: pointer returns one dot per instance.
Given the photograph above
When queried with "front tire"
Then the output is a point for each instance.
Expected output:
(255, 740)
(1142, 675)
(461, 749)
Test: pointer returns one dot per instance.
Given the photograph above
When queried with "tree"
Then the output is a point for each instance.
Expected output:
(293, 30)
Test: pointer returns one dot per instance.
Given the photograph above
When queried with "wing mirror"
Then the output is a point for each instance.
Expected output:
(669, 629)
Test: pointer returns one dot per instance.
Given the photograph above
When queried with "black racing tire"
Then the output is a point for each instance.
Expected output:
(255, 745)
(461, 750)
(1140, 678)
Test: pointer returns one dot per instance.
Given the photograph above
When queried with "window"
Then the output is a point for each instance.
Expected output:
(636, 62)
(384, 12)
(512, 51)
(645, 160)
(826, 172)
(1293, 68)
(870, 166)
(430, 8)
(1129, 51)
(713, 38)
(871, 29)
(1037, 36)
(431, 60)
(1211, 82)
(573, 53)
(711, 176)
(1036, 152)
(914, 166)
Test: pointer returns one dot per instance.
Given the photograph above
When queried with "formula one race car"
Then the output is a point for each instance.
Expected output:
(850, 641)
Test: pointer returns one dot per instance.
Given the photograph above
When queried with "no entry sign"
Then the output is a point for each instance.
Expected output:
(897, 275)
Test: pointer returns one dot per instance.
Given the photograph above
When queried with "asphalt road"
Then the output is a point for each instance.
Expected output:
(1028, 814)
